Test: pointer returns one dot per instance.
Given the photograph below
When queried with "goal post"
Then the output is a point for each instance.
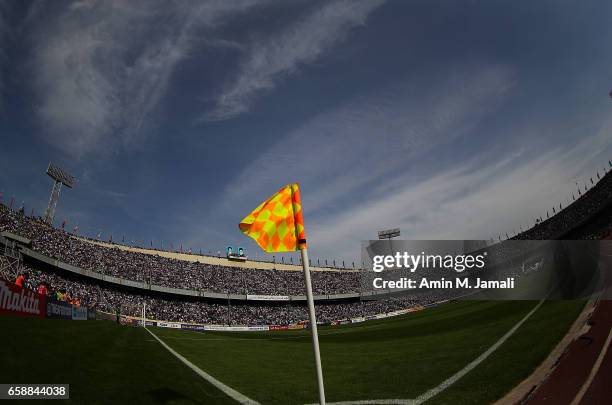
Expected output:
(133, 313)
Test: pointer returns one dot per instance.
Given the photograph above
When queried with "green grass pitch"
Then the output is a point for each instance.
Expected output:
(398, 357)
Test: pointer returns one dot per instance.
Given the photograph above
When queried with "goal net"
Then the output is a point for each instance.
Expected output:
(128, 313)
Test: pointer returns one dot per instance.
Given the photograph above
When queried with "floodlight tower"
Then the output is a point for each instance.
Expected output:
(389, 234)
(60, 177)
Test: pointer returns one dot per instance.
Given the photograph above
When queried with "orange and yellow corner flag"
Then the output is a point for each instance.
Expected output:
(277, 224)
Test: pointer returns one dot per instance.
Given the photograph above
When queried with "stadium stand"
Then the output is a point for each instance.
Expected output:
(589, 217)
(592, 208)
(128, 302)
(163, 271)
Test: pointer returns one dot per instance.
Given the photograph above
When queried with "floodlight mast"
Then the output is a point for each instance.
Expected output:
(60, 177)
(389, 233)
(50, 212)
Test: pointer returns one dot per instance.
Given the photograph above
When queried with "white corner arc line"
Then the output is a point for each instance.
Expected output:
(452, 379)
(232, 393)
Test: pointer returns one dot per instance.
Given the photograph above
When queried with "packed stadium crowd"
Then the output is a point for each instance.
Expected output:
(168, 272)
(112, 300)
(593, 201)
(575, 221)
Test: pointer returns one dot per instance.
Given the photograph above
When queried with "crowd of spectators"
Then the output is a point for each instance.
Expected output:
(588, 205)
(587, 217)
(169, 272)
(92, 294)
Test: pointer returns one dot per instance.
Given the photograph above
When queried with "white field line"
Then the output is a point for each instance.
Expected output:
(594, 371)
(232, 393)
(452, 379)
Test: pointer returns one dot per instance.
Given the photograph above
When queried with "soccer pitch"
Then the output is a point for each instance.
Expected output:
(395, 358)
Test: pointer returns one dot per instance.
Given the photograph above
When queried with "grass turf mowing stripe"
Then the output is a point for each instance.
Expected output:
(394, 358)
(455, 377)
(103, 362)
(365, 361)
(451, 380)
(232, 393)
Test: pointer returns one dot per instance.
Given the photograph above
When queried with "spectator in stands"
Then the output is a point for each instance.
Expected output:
(22, 279)
(42, 288)
(59, 296)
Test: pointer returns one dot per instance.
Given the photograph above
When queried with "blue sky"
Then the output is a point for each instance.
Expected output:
(448, 119)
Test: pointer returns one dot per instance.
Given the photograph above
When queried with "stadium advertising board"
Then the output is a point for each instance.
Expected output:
(235, 328)
(187, 326)
(79, 313)
(91, 314)
(172, 325)
(59, 310)
(224, 328)
(254, 297)
(20, 301)
(341, 322)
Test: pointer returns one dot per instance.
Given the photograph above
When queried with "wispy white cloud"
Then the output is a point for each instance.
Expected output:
(101, 67)
(281, 54)
(357, 164)
(341, 155)
(343, 150)
(223, 43)
(472, 200)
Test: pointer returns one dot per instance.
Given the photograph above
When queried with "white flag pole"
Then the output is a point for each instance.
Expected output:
(313, 326)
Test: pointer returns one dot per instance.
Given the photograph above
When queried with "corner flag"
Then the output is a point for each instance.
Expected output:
(277, 226)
